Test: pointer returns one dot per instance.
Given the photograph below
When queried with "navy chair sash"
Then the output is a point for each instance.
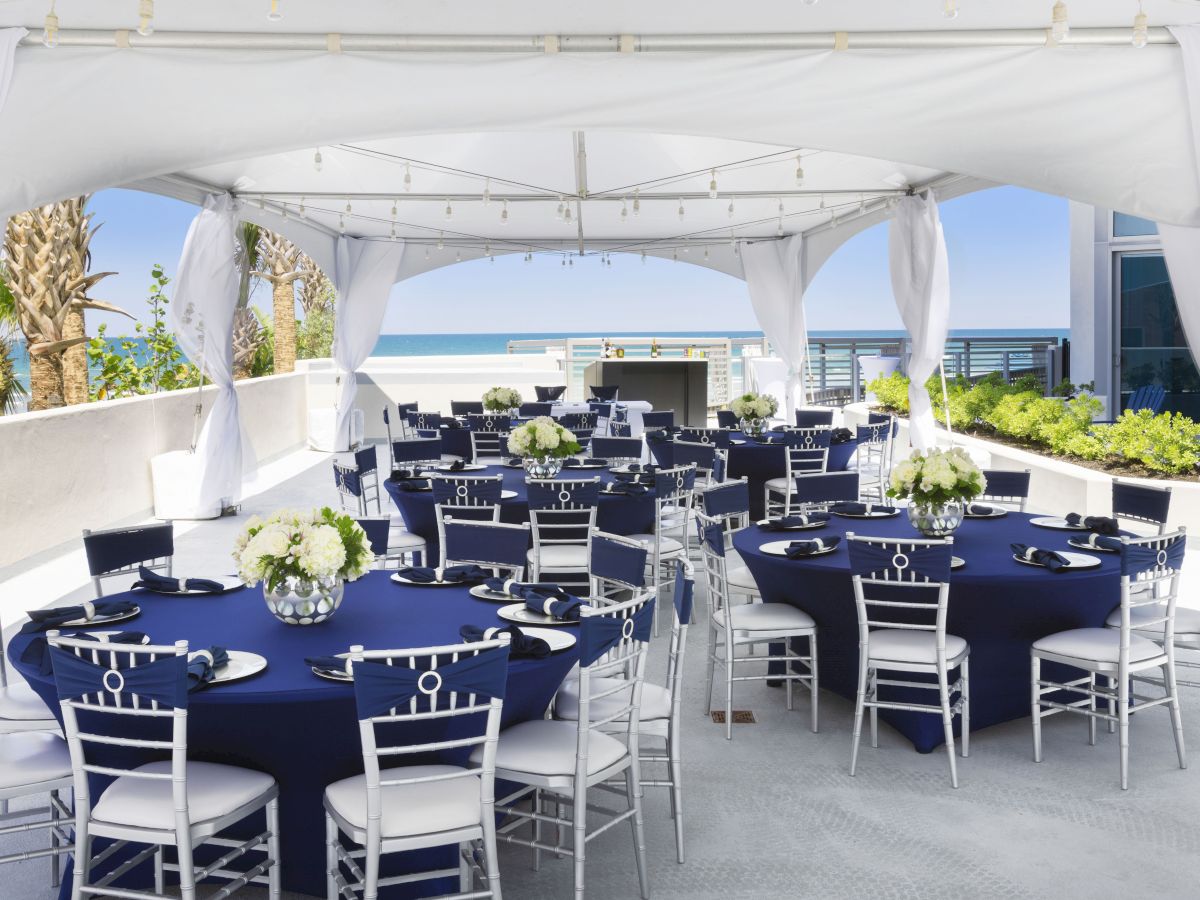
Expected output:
(900, 561)
(486, 542)
(814, 418)
(164, 680)
(466, 490)
(379, 687)
(1137, 502)
(117, 549)
(366, 460)
(521, 645)
(549, 393)
(377, 533)
(671, 484)
(599, 634)
(1006, 483)
(347, 480)
(684, 594)
(618, 561)
(727, 500)
(713, 537)
(825, 487)
(561, 495)
(1138, 559)
(419, 450)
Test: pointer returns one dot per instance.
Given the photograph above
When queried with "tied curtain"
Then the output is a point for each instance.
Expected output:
(921, 282)
(1181, 244)
(774, 272)
(364, 274)
(9, 37)
(201, 315)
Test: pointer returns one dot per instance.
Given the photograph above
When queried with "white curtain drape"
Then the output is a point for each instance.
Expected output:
(9, 37)
(364, 275)
(774, 272)
(921, 283)
(201, 315)
(1181, 244)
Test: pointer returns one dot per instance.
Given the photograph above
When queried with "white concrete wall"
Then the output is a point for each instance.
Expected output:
(89, 466)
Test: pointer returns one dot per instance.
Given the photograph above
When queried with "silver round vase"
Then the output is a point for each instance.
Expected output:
(543, 467)
(301, 602)
(936, 520)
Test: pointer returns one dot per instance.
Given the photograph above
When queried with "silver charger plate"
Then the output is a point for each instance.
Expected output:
(994, 514)
(469, 467)
(87, 624)
(523, 615)
(227, 582)
(779, 548)
(333, 674)
(957, 562)
(483, 592)
(625, 470)
(737, 441)
(1074, 560)
(400, 579)
(1056, 522)
(584, 467)
(558, 640)
(1084, 545)
(507, 495)
(873, 514)
(242, 664)
(809, 527)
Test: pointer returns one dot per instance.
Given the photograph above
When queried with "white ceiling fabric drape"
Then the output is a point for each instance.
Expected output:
(8, 55)
(921, 283)
(774, 273)
(363, 276)
(1181, 244)
(201, 315)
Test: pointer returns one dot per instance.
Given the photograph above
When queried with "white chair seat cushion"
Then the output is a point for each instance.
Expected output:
(545, 747)
(557, 556)
(32, 758)
(668, 544)
(777, 484)
(405, 540)
(656, 701)
(766, 617)
(410, 809)
(1187, 621)
(1097, 644)
(904, 646)
(740, 577)
(19, 703)
(213, 791)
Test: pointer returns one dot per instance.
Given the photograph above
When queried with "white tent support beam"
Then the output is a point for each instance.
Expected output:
(588, 43)
(579, 144)
(553, 196)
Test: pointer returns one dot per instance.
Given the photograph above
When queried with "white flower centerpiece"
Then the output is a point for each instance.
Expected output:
(501, 400)
(753, 411)
(303, 560)
(937, 485)
(543, 444)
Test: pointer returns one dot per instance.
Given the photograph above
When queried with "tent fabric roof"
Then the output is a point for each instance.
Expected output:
(1100, 124)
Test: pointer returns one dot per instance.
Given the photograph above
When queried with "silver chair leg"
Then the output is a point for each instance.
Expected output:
(275, 873)
(947, 722)
(331, 858)
(633, 786)
(579, 843)
(1035, 707)
(965, 675)
(729, 657)
(1176, 716)
(860, 698)
(814, 691)
(1123, 727)
(159, 880)
(536, 805)
(676, 774)
(1092, 710)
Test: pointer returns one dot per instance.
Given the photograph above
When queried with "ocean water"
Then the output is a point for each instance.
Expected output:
(477, 344)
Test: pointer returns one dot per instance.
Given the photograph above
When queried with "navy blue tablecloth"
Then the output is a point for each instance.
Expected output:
(999, 606)
(617, 513)
(300, 728)
(758, 463)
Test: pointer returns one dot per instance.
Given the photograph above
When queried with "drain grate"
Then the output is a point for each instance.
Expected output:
(740, 717)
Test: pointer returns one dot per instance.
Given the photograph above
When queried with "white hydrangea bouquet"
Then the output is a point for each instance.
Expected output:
(937, 484)
(306, 546)
(754, 406)
(501, 399)
(543, 444)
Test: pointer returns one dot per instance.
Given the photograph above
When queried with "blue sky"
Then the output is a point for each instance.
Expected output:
(1008, 266)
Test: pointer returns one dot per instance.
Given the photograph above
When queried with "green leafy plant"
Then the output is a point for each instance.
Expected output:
(1167, 442)
(314, 335)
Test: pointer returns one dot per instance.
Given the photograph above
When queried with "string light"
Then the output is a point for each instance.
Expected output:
(822, 206)
(458, 256)
(318, 162)
(730, 208)
(567, 213)
(674, 256)
(637, 201)
(487, 248)
(146, 18)
(274, 15)
(349, 208)
(504, 213)
(487, 191)
(643, 257)
(449, 209)
(571, 261)
(564, 261)
(1060, 28)
(706, 254)
(681, 212)
(799, 172)
(341, 224)
(262, 202)
(1141, 31)
(393, 235)
(624, 211)
(394, 210)
(862, 203)
(50, 30)
(284, 211)
(407, 177)
(427, 254)
(558, 213)
(441, 244)
(712, 185)
(950, 10)
(303, 211)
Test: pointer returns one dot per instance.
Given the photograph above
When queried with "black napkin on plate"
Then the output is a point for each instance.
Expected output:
(153, 581)
(783, 523)
(456, 574)
(413, 484)
(801, 549)
(521, 645)
(648, 469)
(518, 588)
(36, 653)
(203, 665)
(46, 619)
(768, 439)
(457, 466)
(634, 477)
(515, 461)
(841, 436)
(406, 474)
(980, 509)
(629, 488)
(1096, 524)
(566, 609)
(1103, 542)
(850, 508)
(588, 461)
(448, 422)
(1048, 558)
(329, 663)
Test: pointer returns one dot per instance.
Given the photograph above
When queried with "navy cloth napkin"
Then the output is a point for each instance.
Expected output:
(37, 652)
(860, 509)
(783, 523)
(413, 484)
(841, 436)
(521, 645)
(406, 474)
(589, 461)
(648, 469)
(329, 663)
(567, 610)
(451, 423)
(1097, 524)
(458, 465)
(203, 665)
(153, 581)
(801, 549)
(46, 619)
(626, 487)
(1104, 542)
(1047, 558)
(456, 574)
(519, 588)
(516, 461)
(980, 509)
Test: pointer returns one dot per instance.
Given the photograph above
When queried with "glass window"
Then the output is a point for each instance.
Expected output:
(1153, 347)
(1131, 226)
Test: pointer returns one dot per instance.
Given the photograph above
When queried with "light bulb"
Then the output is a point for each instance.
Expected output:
(571, 262)
(780, 207)
(567, 213)
(624, 211)
(487, 192)
(318, 162)
(427, 254)
(731, 199)
(394, 210)
(146, 18)
(349, 208)
(732, 239)
(1060, 28)
(564, 262)
(274, 15)
(1141, 31)
(681, 212)
(558, 213)
(822, 206)
(809, 2)
(341, 224)
(303, 211)
(458, 256)
(393, 235)
(674, 256)
(50, 31)
(712, 185)
(779, 229)
(706, 254)
(504, 214)
(407, 178)
(449, 209)
(262, 202)
(441, 244)
(643, 257)
(637, 201)
(487, 249)
(799, 172)
(950, 10)
(491, 260)
(284, 211)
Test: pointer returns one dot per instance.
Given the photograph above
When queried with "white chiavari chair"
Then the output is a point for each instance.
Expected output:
(672, 508)
(562, 514)
(806, 452)
(118, 552)
(1007, 487)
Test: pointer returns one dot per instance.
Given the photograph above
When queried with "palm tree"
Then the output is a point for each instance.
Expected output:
(279, 261)
(48, 258)
(316, 290)
(247, 336)
(11, 389)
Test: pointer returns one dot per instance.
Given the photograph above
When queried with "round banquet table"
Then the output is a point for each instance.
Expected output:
(302, 729)
(999, 606)
(758, 462)
(616, 514)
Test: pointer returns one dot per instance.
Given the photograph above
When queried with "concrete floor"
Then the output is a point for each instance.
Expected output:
(775, 814)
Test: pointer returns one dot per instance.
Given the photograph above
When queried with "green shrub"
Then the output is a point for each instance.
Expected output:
(891, 392)
(1168, 442)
